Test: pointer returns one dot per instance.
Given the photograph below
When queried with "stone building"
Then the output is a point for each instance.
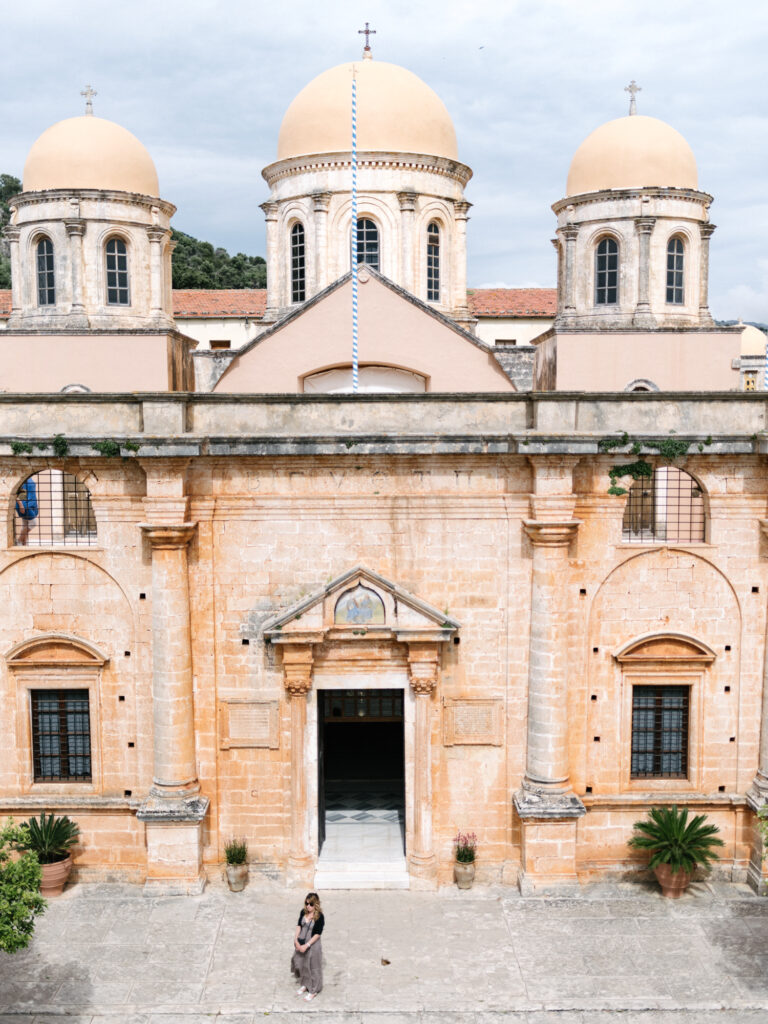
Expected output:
(344, 626)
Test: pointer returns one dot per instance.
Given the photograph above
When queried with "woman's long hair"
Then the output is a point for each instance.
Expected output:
(313, 899)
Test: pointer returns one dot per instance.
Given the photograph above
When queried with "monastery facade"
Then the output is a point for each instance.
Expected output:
(245, 599)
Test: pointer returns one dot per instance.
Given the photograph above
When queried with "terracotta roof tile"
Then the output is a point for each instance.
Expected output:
(225, 302)
(513, 301)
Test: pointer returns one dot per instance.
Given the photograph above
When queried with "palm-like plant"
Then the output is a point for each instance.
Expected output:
(52, 838)
(675, 841)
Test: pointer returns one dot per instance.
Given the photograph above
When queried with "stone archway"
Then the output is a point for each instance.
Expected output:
(362, 626)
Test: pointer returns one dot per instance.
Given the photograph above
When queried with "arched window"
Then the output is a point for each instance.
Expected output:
(675, 271)
(118, 293)
(53, 508)
(46, 284)
(607, 272)
(298, 264)
(433, 262)
(666, 507)
(368, 242)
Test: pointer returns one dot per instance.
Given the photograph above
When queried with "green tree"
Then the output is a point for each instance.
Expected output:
(20, 899)
(198, 264)
(9, 186)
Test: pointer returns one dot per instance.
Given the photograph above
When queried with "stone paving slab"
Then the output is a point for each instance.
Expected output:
(612, 954)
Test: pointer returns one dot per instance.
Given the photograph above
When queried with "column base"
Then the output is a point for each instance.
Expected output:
(757, 871)
(548, 858)
(174, 834)
(643, 318)
(422, 870)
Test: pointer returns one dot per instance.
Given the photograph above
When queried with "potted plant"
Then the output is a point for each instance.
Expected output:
(52, 840)
(676, 845)
(236, 852)
(464, 868)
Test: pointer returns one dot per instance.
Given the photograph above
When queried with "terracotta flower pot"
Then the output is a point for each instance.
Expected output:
(464, 873)
(673, 883)
(55, 877)
(237, 876)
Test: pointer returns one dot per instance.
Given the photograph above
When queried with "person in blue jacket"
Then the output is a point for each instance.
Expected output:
(26, 509)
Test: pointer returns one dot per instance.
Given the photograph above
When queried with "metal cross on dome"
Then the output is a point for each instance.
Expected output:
(367, 32)
(89, 93)
(633, 88)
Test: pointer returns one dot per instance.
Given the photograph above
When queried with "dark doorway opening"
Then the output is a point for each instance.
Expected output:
(361, 760)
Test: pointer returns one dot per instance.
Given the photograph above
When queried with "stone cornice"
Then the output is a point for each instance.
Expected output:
(53, 195)
(163, 535)
(551, 534)
(401, 161)
(612, 194)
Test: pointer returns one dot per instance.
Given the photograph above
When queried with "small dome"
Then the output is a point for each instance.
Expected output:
(396, 113)
(89, 152)
(753, 341)
(632, 152)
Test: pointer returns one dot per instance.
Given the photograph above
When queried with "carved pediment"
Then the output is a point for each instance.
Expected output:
(360, 604)
(55, 650)
(665, 647)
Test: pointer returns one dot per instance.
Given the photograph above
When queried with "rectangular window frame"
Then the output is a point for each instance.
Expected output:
(67, 740)
(607, 278)
(46, 275)
(117, 279)
(676, 278)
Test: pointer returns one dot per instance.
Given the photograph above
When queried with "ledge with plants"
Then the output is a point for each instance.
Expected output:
(677, 846)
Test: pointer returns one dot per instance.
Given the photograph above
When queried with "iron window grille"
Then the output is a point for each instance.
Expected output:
(46, 283)
(117, 273)
(363, 705)
(750, 382)
(675, 267)
(433, 263)
(607, 273)
(53, 508)
(666, 507)
(298, 264)
(61, 736)
(367, 243)
(660, 732)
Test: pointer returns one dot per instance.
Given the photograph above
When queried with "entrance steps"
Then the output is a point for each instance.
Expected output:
(367, 874)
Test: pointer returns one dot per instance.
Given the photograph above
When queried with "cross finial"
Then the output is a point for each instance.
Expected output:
(367, 32)
(633, 88)
(89, 93)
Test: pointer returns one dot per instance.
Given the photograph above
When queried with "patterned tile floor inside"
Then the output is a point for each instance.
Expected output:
(361, 800)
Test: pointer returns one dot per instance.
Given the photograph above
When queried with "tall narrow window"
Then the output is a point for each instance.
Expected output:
(46, 285)
(61, 736)
(607, 273)
(660, 732)
(675, 265)
(433, 263)
(298, 264)
(117, 273)
(368, 243)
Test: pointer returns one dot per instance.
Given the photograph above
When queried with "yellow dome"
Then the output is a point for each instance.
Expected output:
(89, 152)
(396, 113)
(752, 341)
(632, 152)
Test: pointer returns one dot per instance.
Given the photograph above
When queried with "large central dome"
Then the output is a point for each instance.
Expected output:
(396, 113)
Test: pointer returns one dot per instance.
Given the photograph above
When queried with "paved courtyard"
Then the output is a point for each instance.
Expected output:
(616, 954)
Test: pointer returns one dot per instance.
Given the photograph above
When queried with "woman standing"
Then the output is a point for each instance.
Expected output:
(307, 960)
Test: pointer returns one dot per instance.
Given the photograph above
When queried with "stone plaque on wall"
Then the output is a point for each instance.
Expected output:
(472, 721)
(249, 723)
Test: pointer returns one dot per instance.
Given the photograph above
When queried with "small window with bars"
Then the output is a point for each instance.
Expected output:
(61, 736)
(750, 382)
(433, 263)
(667, 506)
(118, 293)
(298, 264)
(675, 269)
(660, 732)
(607, 272)
(53, 508)
(367, 243)
(46, 282)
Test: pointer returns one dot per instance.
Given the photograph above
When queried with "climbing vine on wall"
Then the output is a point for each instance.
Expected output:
(669, 448)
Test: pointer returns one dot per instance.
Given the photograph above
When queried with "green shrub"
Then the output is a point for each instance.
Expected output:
(672, 839)
(52, 838)
(20, 899)
(236, 851)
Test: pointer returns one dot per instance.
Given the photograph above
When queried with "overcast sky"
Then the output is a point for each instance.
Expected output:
(204, 85)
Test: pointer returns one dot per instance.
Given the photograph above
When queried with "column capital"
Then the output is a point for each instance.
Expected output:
(270, 209)
(423, 663)
(166, 535)
(297, 669)
(12, 233)
(707, 230)
(462, 208)
(407, 201)
(157, 234)
(75, 227)
(570, 232)
(321, 201)
(551, 534)
(645, 225)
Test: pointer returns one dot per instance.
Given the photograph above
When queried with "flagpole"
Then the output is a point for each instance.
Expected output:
(353, 234)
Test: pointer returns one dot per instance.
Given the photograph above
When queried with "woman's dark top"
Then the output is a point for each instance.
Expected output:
(318, 926)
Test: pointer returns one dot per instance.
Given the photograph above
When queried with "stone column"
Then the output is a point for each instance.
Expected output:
(459, 262)
(705, 316)
(297, 669)
(174, 810)
(321, 201)
(12, 233)
(75, 230)
(643, 316)
(407, 202)
(423, 660)
(568, 311)
(757, 794)
(274, 277)
(156, 236)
